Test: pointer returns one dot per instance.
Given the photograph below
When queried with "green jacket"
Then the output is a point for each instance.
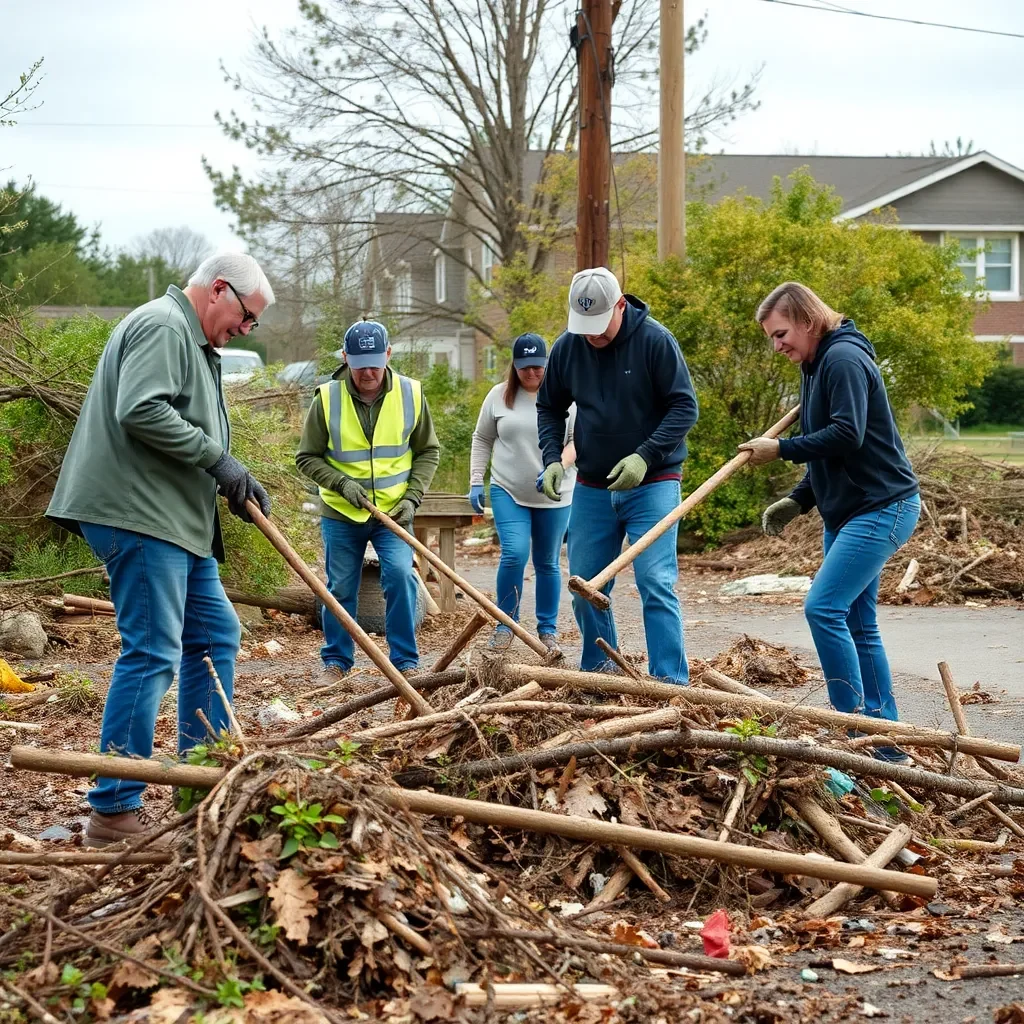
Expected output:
(426, 449)
(153, 421)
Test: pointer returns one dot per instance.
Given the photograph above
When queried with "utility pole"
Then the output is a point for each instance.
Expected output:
(672, 148)
(151, 283)
(593, 40)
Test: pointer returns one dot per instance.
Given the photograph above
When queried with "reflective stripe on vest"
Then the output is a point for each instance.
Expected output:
(383, 469)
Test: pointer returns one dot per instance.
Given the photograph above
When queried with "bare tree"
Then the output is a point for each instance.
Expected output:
(182, 249)
(404, 105)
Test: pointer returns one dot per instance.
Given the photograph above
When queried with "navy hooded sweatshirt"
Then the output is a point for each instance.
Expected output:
(854, 454)
(632, 396)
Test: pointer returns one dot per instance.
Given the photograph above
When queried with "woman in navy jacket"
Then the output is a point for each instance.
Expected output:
(859, 478)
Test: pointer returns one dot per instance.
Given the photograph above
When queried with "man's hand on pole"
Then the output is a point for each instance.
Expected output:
(238, 485)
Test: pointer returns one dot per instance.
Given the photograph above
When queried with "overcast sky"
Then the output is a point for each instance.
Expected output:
(832, 84)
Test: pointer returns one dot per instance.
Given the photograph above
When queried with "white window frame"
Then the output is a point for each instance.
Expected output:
(987, 234)
(487, 255)
(490, 360)
(403, 291)
(440, 279)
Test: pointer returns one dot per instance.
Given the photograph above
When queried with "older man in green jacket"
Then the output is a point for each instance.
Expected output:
(140, 480)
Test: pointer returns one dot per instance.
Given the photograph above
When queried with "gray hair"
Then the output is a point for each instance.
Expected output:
(239, 269)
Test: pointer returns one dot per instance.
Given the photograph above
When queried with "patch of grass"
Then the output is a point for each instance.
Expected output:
(50, 558)
(78, 694)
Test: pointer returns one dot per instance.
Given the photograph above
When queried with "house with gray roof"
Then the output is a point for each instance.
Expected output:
(977, 199)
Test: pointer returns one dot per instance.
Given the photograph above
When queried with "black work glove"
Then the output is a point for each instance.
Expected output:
(237, 484)
(353, 491)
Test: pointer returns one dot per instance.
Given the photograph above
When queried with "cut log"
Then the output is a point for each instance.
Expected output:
(842, 894)
(613, 888)
(500, 815)
(69, 859)
(89, 604)
(913, 568)
(521, 997)
(291, 600)
(637, 866)
(595, 682)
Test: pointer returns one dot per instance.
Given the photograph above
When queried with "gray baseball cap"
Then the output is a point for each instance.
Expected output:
(592, 298)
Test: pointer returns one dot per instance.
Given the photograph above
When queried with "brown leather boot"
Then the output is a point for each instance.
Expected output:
(107, 829)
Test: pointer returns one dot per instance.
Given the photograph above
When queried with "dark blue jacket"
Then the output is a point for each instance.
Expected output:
(634, 395)
(854, 454)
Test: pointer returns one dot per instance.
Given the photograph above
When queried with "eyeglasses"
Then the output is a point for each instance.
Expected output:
(249, 316)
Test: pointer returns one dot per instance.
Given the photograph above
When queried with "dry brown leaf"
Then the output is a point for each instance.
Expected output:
(294, 901)
(102, 1009)
(627, 934)
(755, 958)
(583, 800)
(850, 967)
(257, 850)
(677, 814)
(631, 807)
(131, 975)
(166, 1007)
(43, 975)
(460, 838)
(373, 931)
(432, 1002)
(276, 1008)
(1013, 1013)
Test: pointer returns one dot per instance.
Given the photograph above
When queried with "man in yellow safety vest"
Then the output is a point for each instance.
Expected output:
(368, 434)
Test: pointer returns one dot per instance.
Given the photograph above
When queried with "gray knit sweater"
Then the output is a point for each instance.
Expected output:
(508, 438)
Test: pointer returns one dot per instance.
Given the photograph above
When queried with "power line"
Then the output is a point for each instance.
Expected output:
(888, 17)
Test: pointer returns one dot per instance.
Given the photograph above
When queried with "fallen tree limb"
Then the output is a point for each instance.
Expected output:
(969, 971)
(91, 571)
(291, 600)
(470, 630)
(88, 604)
(69, 859)
(637, 866)
(706, 739)
(595, 682)
(953, 698)
(668, 957)
(500, 815)
(367, 700)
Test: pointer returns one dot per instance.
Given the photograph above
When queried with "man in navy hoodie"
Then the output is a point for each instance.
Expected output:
(634, 407)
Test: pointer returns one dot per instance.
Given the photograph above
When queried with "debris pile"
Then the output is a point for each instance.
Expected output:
(968, 545)
(521, 844)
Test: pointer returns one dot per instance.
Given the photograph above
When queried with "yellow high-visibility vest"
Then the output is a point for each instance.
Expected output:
(383, 466)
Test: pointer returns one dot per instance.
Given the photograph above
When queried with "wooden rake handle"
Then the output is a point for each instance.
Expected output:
(467, 588)
(361, 637)
(591, 589)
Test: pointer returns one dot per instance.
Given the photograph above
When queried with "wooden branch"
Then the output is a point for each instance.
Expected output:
(89, 604)
(913, 568)
(291, 600)
(523, 996)
(20, 726)
(953, 698)
(637, 866)
(470, 630)
(733, 809)
(618, 659)
(830, 831)
(595, 682)
(668, 957)
(499, 815)
(968, 971)
(613, 889)
(838, 897)
(75, 859)
(708, 676)
(91, 571)
(405, 933)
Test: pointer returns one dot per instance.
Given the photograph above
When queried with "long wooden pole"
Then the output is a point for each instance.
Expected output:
(596, 682)
(593, 589)
(361, 637)
(594, 32)
(467, 588)
(671, 145)
(69, 762)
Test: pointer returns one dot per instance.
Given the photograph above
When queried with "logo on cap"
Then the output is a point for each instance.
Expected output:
(367, 344)
(529, 351)
(586, 302)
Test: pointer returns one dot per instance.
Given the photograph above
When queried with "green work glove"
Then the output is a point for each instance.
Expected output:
(551, 483)
(404, 512)
(627, 473)
(778, 516)
(353, 492)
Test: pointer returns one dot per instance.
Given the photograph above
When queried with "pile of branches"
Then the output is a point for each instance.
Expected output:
(969, 541)
(303, 887)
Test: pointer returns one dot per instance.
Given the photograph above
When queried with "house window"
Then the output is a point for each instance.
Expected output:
(440, 279)
(403, 292)
(486, 262)
(490, 357)
(990, 259)
(441, 359)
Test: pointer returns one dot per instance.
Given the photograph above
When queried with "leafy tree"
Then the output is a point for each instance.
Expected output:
(32, 220)
(907, 296)
(1000, 399)
(53, 273)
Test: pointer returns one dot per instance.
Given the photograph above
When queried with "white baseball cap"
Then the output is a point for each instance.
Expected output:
(592, 298)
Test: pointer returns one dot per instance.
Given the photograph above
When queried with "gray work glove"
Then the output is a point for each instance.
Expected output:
(238, 485)
(778, 516)
(404, 512)
(353, 492)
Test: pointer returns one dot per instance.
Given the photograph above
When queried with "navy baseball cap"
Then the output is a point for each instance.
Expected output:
(529, 350)
(366, 344)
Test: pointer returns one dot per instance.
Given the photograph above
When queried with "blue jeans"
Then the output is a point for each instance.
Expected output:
(344, 547)
(517, 526)
(842, 603)
(171, 613)
(599, 521)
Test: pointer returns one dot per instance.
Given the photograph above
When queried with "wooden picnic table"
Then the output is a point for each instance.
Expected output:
(442, 513)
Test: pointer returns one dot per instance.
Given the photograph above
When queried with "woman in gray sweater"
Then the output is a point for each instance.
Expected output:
(506, 436)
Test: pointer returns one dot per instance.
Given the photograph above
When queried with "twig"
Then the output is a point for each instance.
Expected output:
(92, 570)
(185, 982)
(36, 1007)
(637, 866)
(617, 658)
(733, 809)
(404, 932)
(218, 686)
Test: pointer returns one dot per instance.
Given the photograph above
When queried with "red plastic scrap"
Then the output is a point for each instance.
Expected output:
(715, 935)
